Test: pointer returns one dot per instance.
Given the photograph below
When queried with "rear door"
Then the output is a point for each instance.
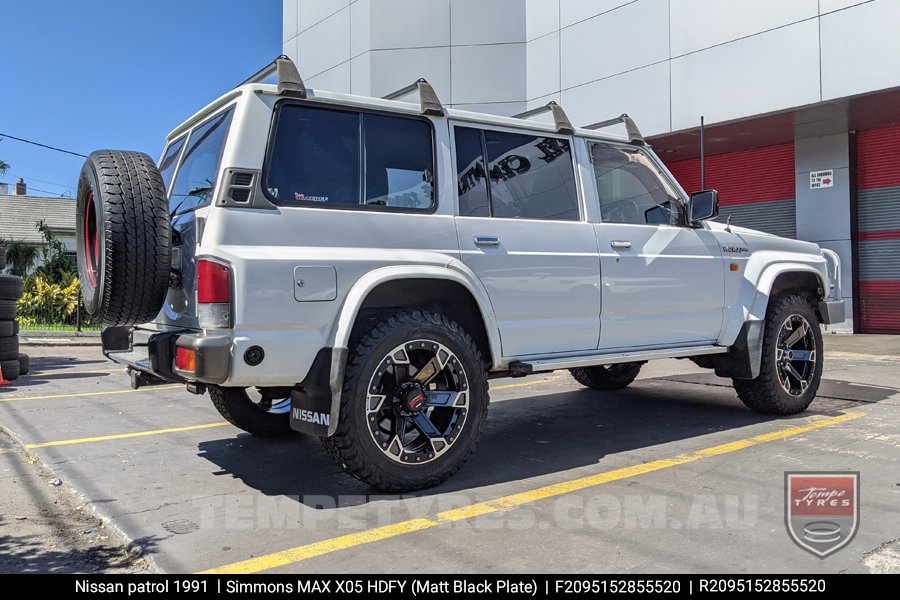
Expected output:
(663, 282)
(521, 231)
(190, 186)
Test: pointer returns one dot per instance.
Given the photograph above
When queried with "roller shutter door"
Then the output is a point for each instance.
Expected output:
(878, 226)
(756, 187)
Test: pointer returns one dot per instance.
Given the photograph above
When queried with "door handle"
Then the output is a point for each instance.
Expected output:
(620, 244)
(489, 240)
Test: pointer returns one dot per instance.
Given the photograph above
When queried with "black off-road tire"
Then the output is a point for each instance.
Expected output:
(765, 394)
(15, 328)
(10, 369)
(11, 287)
(352, 446)
(24, 364)
(607, 377)
(7, 328)
(236, 407)
(124, 237)
(9, 348)
(7, 310)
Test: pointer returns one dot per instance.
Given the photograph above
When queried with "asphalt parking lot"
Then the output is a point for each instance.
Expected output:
(672, 474)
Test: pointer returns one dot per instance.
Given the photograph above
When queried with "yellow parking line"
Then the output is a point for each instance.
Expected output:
(524, 383)
(293, 555)
(83, 394)
(5, 450)
(124, 436)
(56, 372)
(859, 355)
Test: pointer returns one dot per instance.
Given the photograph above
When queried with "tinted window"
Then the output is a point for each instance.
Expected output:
(470, 173)
(193, 186)
(169, 160)
(399, 162)
(316, 156)
(631, 188)
(532, 177)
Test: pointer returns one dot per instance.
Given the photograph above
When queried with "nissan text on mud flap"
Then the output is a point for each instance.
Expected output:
(358, 268)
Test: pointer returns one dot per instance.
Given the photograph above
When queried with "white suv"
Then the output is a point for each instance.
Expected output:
(358, 268)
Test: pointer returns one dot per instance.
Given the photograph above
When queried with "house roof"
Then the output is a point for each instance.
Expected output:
(19, 216)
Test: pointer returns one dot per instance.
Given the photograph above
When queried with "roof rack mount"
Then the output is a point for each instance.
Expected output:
(560, 120)
(287, 77)
(634, 134)
(429, 102)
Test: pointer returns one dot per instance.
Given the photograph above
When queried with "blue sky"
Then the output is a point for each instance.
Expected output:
(92, 74)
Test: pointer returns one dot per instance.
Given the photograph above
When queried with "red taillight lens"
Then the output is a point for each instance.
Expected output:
(213, 282)
(185, 359)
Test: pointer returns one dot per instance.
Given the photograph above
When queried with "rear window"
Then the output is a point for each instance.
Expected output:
(350, 159)
(196, 176)
(169, 160)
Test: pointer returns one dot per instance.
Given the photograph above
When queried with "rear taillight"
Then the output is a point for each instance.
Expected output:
(185, 359)
(213, 293)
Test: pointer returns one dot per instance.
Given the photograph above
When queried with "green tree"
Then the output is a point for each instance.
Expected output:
(57, 266)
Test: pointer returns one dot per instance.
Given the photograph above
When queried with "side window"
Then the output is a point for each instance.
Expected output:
(315, 156)
(169, 160)
(631, 188)
(346, 158)
(531, 177)
(399, 162)
(471, 173)
(193, 186)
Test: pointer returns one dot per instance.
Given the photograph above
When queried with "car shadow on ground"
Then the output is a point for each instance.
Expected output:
(54, 368)
(523, 438)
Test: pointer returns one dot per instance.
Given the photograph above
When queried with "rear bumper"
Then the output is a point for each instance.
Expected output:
(153, 353)
(832, 311)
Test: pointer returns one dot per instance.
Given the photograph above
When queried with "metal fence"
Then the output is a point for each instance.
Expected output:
(63, 319)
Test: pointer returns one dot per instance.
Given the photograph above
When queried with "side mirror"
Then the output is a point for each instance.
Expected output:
(703, 205)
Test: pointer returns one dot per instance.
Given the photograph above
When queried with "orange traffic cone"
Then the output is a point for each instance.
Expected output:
(2, 380)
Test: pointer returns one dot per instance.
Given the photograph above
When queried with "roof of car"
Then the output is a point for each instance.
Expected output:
(392, 105)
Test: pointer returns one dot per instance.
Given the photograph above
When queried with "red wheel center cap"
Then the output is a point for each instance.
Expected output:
(415, 398)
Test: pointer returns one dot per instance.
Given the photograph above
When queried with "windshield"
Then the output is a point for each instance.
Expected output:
(196, 177)
(632, 189)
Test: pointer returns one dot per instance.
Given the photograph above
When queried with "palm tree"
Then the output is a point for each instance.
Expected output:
(4, 167)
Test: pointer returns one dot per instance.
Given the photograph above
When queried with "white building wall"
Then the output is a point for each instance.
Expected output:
(665, 62)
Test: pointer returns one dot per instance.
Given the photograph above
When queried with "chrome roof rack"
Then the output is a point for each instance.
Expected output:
(428, 100)
(287, 77)
(560, 120)
(634, 134)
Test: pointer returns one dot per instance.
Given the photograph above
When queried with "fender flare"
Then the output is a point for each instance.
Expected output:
(760, 302)
(454, 271)
(316, 402)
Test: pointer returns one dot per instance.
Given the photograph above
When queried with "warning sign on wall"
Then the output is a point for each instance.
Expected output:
(821, 179)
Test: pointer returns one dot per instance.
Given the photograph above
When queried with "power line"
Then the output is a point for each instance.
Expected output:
(34, 189)
(18, 139)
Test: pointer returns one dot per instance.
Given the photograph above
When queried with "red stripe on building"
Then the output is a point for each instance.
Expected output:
(868, 236)
(879, 153)
(879, 306)
(757, 175)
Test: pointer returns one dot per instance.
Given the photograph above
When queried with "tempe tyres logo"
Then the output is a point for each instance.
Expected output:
(821, 510)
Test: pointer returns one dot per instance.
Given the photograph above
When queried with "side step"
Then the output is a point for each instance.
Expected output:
(522, 368)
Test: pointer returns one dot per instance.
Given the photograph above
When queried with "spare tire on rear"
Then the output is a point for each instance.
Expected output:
(124, 237)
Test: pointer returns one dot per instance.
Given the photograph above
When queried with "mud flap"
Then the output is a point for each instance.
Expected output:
(315, 403)
(743, 359)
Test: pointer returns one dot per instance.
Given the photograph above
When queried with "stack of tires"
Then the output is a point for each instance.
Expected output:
(12, 362)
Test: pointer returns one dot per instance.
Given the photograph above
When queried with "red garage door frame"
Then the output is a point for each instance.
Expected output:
(877, 229)
(756, 187)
